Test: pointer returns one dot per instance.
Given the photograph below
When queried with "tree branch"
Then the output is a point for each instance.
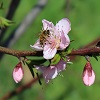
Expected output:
(86, 51)
(19, 53)
(81, 52)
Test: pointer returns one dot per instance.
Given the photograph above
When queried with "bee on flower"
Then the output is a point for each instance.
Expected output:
(53, 38)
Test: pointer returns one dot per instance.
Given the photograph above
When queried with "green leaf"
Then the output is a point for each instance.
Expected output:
(5, 22)
(55, 60)
(36, 72)
(35, 61)
(30, 68)
(39, 79)
(69, 51)
(95, 57)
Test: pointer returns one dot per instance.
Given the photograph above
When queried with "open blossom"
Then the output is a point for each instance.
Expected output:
(88, 74)
(53, 38)
(52, 71)
(18, 72)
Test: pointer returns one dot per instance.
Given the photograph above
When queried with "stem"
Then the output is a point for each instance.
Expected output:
(20, 53)
(86, 51)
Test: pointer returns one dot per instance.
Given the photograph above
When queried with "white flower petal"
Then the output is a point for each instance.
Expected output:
(37, 46)
(61, 65)
(50, 73)
(65, 41)
(47, 25)
(64, 25)
(48, 52)
(40, 68)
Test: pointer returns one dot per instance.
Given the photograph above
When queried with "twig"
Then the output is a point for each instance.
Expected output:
(86, 51)
(81, 52)
(19, 53)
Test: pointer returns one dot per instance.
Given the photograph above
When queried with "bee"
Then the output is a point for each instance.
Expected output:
(44, 34)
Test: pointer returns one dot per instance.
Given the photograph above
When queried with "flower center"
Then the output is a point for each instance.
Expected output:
(49, 37)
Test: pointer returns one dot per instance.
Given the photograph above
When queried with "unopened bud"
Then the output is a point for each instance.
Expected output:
(18, 72)
(88, 74)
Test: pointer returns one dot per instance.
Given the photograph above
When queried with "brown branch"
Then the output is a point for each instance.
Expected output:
(19, 53)
(81, 52)
(86, 51)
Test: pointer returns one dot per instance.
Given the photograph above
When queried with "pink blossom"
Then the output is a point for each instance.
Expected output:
(88, 74)
(52, 71)
(57, 39)
(18, 72)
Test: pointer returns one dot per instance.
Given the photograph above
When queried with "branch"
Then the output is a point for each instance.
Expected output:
(19, 53)
(80, 52)
(86, 51)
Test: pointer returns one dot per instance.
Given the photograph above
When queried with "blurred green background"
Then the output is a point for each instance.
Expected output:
(84, 16)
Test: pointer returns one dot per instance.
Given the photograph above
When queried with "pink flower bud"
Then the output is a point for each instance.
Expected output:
(88, 74)
(18, 72)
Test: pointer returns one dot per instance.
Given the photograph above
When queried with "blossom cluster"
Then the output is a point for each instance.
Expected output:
(54, 39)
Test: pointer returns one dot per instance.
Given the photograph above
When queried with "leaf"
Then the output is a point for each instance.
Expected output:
(5, 22)
(95, 57)
(39, 79)
(30, 68)
(69, 51)
(35, 61)
(55, 60)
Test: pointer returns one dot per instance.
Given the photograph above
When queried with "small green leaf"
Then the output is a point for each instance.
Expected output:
(69, 51)
(39, 79)
(95, 57)
(30, 68)
(5, 22)
(64, 58)
(55, 60)
(70, 63)
(36, 61)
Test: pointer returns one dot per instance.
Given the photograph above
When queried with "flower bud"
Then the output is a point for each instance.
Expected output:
(88, 74)
(18, 72)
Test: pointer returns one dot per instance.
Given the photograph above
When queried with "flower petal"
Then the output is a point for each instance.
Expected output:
(50, 73)
(64, 25)
(49, 52)
(47, 25)
(40, 68)
(37, 46)
(88, 80)
(61, 65)
(65, 41)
